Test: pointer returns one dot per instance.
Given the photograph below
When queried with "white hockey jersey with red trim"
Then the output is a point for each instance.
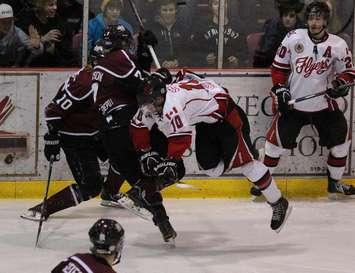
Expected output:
(312, 66)
(188, 102)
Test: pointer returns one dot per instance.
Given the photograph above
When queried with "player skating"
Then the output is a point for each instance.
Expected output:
(222, 135)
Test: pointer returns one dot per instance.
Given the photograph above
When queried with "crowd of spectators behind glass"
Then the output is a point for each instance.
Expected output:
(48, 33)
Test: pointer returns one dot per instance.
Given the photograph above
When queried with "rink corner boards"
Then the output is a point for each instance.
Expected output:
(298, 188)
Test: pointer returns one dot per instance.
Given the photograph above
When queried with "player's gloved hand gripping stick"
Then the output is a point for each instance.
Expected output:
(291, 102)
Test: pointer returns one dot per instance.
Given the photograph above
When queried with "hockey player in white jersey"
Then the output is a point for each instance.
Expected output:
(307, 61)
(222, 135)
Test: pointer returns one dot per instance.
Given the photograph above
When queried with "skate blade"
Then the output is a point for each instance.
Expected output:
(288, 212)
(170, 243)
(340, 196)
(128, 204)
(258, 199)
(111, 204)
(33, 219)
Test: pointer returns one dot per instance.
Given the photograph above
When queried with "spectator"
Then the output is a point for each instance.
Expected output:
(110, 15)
(54, 34)
(72, 12)
(172, 35)
(14, 42)
(275, 30)
(205, 39)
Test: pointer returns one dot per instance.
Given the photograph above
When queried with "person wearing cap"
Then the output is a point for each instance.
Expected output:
(110, 15)
(14, 43)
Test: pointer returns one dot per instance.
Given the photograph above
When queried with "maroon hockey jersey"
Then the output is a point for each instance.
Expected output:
(115, 81)
(83, 263)
(73, 106)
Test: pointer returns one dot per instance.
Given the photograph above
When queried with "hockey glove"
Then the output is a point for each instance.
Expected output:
(149, 161)
(164, 74)
(281, 96)
(338, 90)
(52, 146)
(167, 171)
(148, 38)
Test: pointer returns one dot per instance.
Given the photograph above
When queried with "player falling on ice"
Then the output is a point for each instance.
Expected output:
(222, 135)
(307, 61)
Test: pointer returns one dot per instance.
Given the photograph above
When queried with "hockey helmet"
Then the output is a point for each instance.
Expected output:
(317, 8)
(117, 37)
(107, 237)
(152, 92)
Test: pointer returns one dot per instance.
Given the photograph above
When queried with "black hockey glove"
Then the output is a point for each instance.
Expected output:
(164, 74)
(338, 90)
(148, 38)
(52, 146)
(283, 96)
(149, 161)
(167, 171)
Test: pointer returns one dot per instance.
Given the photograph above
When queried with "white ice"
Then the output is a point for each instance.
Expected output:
(214, 236)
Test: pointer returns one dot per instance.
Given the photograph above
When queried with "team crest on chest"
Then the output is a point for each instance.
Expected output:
(299, 48)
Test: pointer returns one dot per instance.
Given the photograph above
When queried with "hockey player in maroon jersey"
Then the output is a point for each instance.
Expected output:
(116, 78)
(222, 135)
(73, 125)
(107, 238)
(307, 61)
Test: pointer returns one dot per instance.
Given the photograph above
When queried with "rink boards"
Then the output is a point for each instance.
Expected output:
(22, 163)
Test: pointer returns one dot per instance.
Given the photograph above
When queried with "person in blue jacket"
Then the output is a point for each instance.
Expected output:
(110, 15)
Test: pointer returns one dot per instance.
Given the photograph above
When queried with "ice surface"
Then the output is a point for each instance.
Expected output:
(214, 236)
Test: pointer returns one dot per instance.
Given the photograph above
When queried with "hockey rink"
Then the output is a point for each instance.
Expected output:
(214, 236)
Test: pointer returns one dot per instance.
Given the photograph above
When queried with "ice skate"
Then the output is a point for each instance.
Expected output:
(256, 195)
(338, 190)
(34, 214)
(133, 206)
(168, 233)
(110, 200)
(280, 212)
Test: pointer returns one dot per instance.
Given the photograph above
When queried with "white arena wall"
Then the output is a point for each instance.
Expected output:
(21, 133)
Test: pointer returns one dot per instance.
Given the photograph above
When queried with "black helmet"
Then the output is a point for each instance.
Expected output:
(152, 92)
(317, 8)
(117, 37)
(107, 237)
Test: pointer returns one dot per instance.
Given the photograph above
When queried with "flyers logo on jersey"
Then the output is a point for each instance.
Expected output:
(306, 65)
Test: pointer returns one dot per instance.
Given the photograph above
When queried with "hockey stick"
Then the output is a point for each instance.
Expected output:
(291, 102)
(139, 19)
(44, 199)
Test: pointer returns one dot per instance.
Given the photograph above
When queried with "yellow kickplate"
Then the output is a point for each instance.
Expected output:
(309, 187)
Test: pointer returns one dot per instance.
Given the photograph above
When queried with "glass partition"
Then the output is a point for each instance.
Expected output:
(191, 33)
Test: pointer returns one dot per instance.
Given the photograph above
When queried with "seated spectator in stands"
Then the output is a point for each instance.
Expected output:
(275, 30)
(53, 32)
(172, 35)
(14, 43)
(72, 12)
(110, 15)
(205, 39)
